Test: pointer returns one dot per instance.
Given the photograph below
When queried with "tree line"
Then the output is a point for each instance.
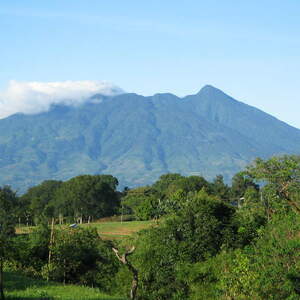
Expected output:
(85, 198)
(80, 199)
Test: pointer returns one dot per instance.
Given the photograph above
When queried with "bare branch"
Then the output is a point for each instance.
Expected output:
(132, 269)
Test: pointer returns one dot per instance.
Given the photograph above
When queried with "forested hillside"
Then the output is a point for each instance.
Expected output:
(137, 139)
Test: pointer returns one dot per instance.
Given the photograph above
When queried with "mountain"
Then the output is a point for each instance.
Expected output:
(137, 138)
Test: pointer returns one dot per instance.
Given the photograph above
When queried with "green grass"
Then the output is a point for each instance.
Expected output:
(117, 230)
(19, 287)
(108, 230)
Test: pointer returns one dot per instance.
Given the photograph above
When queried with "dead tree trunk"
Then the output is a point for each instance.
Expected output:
(135, 280)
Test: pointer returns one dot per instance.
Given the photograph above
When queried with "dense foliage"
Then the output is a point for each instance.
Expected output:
(81, 198)
(210, 241)
(8, 207)
(220, 242)
(72, 255)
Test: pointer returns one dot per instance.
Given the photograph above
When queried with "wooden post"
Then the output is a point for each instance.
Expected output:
(50, 245)
(122, 215)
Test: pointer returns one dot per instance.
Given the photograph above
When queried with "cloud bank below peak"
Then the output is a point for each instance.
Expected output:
(31, 97)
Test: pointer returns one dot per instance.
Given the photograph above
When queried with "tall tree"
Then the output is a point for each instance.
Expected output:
(197, 230)
(40, 197)
(220, 189)
(88, 196)
(8, 203)
(282, 177)
(240, 183)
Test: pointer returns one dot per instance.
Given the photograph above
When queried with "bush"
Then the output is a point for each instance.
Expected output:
(270, 268)
(197, 231)
(80, 256)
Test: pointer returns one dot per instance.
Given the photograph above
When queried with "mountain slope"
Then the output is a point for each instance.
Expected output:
(138, 138)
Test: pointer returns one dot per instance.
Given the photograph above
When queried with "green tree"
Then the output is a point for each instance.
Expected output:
(8, 202)
(164, 181)
(220, 189)
(196, 231)
(240, 183)
(143, 202)
(282, 178)
(31, 250)
(249, 218)
(40, 198)
(80, 256)
(170, 183)
(175, 202)
(270, 268)
(87, 197)
(202, 226)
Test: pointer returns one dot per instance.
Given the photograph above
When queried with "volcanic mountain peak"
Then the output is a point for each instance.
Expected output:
(137, 138)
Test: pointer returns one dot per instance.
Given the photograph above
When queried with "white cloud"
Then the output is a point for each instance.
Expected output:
(35, 97)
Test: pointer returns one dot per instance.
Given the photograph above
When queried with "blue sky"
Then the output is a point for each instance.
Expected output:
(249, 49)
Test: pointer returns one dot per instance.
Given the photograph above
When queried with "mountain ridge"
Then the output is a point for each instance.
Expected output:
(138, 138)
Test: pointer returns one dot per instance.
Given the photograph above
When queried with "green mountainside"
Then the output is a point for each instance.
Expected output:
(137, 138)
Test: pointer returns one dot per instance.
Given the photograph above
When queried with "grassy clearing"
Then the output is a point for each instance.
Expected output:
(108, 230)
(117, 230)
(19, 287)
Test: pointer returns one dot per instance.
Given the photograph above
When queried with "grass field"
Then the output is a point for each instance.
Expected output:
(109, 230)
(21, 287)
(116, 230)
